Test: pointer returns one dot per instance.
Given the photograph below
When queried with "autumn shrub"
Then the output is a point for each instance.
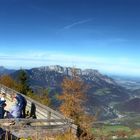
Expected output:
(73, 98)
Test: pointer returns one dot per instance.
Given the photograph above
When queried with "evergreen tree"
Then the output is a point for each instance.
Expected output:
(23, 81)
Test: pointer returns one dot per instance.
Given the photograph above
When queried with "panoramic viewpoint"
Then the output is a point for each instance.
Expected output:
(69, 70)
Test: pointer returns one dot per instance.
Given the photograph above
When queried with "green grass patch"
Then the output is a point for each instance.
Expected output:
(110, 129)
(115, 128)
(102, 92)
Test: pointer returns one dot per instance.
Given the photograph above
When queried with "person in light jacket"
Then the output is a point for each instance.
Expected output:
(21, 102)
(14, 111)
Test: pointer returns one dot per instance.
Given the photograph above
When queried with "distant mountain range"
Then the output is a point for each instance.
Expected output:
(132, 83)
(104, 92)
(3, 70)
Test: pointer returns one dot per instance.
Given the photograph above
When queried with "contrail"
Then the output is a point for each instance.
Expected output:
(77, 23)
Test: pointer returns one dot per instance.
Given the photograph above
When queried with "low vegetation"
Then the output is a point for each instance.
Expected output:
(43, 97)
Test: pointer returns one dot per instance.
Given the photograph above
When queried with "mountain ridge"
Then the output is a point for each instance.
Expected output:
(4, 70)
(103, 89)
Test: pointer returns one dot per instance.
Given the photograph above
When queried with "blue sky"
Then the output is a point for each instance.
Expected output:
(98, 34)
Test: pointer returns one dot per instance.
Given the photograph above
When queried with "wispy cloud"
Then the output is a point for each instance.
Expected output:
(77, 23)
(36, 59)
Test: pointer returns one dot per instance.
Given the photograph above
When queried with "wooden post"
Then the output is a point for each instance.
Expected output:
(49, 117)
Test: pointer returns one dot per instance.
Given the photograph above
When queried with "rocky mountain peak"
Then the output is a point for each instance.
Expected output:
(87, 74)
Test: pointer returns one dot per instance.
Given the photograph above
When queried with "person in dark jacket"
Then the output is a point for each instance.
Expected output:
(21, 102)
(2, 111)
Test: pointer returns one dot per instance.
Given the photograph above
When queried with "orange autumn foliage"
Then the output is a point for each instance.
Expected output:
(73, 98)
(8, 81)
